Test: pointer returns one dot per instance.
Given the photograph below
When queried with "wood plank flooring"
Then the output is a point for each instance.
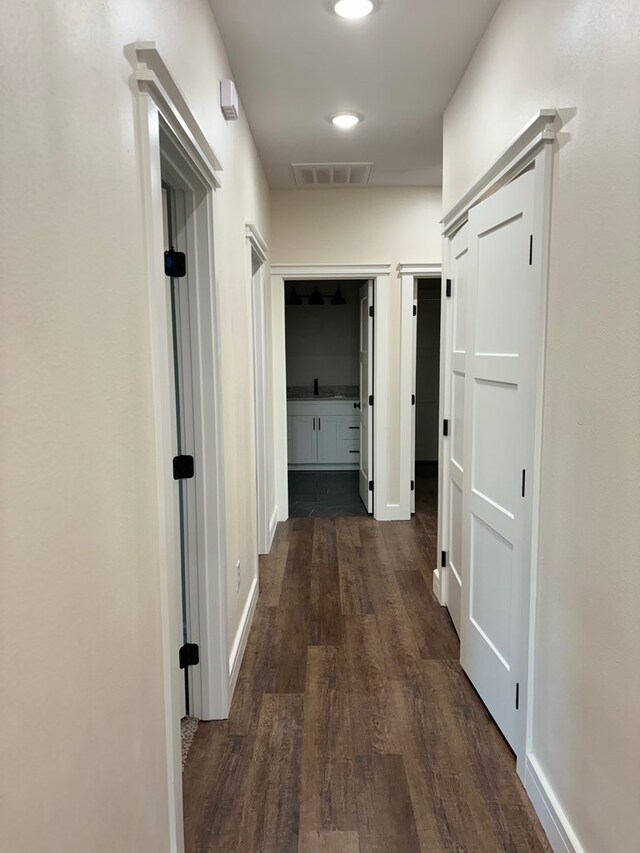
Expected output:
(353, 728)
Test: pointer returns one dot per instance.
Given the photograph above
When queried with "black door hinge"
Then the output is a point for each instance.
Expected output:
(370, 485)
(530, 249)
(445, 427)
(447, 291)
(413, 485)
(189, 655)
(371, 310)
(182, 467)
(371, 399)
(175, 263)
(517, 695)
(415, 310)
(443, 559)
(413, 399)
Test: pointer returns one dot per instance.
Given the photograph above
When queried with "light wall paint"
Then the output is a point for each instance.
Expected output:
(377, 225)
(582, 55)
(82, 743)
(323, 341)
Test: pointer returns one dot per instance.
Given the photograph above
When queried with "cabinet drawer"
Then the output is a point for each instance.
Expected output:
(349, 428)
(326, 408)
(349, 451)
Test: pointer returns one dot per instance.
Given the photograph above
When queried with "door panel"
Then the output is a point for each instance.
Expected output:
(501, 368)
(454, 444)
(457, 418)
(366, 389)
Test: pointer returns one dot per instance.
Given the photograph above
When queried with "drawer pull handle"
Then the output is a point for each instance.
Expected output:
(354, 427)
(354, 451)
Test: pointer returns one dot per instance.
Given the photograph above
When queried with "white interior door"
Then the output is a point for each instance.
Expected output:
(366, 395)
(454, 439)
(503, 332)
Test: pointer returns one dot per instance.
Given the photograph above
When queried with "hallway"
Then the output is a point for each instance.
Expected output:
(353, 728)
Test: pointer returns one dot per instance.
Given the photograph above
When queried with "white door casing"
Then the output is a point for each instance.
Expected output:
(386, 506)
(256, 253)
(366, 395)
(409, 274)
(500, 396)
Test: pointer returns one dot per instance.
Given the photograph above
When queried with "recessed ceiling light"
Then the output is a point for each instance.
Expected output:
(345, 121)
(352, 8)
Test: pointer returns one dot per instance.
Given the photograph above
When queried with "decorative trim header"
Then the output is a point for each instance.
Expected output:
(153, 77)
(311, 271)
(420, 269)
(257, 242)
(540, 130)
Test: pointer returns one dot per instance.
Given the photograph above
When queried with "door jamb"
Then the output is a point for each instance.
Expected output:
(158, 103)
(383, 510)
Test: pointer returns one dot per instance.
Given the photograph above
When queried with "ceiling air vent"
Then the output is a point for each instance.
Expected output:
(331, 174)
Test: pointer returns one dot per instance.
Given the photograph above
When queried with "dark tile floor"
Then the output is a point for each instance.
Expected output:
(324, 494)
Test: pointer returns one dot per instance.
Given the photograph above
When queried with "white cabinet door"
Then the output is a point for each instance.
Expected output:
(303, 436)
(328, 438)
(503, 323)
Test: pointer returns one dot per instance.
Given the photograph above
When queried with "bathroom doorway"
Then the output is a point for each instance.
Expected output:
(329, 370)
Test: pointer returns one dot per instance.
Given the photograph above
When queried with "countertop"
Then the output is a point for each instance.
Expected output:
(327, 392)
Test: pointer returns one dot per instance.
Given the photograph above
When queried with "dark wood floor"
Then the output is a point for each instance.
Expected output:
(353, 728)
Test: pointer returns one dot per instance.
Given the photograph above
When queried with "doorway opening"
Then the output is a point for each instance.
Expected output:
(180, 297)
(329, 379)
(426, 393)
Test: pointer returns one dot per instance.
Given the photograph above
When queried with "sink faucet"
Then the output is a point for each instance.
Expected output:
(316, 389)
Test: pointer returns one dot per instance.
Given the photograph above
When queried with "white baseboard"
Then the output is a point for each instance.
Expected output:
(273, 523)
(553, 819)
(242, 635)
(436, 585)
(391, 512)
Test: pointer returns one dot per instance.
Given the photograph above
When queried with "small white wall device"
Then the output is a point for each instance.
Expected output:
(229, 100)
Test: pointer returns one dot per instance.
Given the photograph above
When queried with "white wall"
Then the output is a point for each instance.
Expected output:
(323, 341)
(580, 54)
(82, 741)
(375, 225)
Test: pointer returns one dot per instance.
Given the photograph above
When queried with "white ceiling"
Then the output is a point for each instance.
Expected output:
(296, 63)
